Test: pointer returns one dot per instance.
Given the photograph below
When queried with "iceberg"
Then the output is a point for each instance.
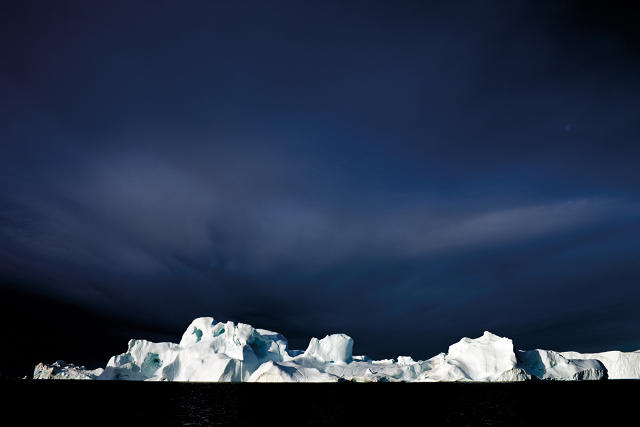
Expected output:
(546, 364)
(336, 348)
(212, 351)
(488, 358)
(59, 370)
(620, 365)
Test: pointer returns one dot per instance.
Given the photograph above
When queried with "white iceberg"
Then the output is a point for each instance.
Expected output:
(488, 358)
(546, 364)
(214, 351)
(620, 365)
(335, 348)
(208, 351)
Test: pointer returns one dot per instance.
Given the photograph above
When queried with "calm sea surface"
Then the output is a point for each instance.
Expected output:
(30, 402)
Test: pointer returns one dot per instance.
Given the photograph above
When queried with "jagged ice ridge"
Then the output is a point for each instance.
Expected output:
(228, 352)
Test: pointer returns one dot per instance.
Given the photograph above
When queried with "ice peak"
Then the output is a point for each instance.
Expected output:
(336, 348)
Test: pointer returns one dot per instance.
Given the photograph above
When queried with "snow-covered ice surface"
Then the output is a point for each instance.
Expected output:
(228, 352)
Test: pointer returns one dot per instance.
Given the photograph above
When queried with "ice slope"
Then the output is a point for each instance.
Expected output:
(546, 364)
(274, 372)
(229, 352)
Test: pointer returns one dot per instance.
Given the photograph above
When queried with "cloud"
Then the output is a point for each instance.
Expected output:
(393, 160)
(515, 224)
(146, 214)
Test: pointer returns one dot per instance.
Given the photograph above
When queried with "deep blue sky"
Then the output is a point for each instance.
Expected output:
(404, 172)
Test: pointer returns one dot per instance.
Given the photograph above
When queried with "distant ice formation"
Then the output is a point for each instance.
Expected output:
(227, 352)
(60, 370)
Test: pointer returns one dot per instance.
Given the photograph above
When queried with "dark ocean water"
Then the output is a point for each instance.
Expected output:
(28, 402)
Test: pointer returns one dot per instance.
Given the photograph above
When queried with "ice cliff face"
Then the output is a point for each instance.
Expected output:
(550, 365)
(620, 365)
(228, 352)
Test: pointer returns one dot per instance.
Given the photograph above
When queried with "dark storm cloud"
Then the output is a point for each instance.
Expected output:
(432, 169)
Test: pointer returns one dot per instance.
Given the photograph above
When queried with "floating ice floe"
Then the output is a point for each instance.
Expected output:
(228, 352)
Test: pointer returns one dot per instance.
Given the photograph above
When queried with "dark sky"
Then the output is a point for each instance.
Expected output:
(405, 172)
